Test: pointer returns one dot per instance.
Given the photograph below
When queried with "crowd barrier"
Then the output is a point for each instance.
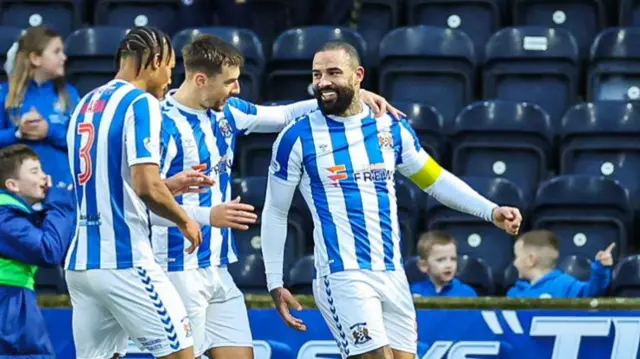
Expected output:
(459, 328)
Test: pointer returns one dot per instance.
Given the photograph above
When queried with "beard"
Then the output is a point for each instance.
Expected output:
(335, 104)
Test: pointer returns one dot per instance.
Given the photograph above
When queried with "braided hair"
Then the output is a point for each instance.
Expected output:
(144, 41)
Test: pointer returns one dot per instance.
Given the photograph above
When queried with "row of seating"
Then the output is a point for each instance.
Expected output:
(429, 65)
(480, 18)
(248, 274)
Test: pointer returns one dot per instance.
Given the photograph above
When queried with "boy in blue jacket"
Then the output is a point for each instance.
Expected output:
(536, 254)
(438, 253)
(28, 239)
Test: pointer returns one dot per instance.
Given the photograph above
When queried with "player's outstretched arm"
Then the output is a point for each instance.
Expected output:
(232, 214)
(448, 189)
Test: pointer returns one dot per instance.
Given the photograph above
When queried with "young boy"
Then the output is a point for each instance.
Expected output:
(439, 261)
(28, 239)
(536, 254)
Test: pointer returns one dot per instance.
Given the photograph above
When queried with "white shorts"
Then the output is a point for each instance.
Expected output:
(366, 310)
(112, 305)
(215, 306)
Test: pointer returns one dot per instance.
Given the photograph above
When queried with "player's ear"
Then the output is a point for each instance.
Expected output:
(200, 79)
(359, 74)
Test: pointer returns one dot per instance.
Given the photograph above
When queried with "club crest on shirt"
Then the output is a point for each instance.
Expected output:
(385, 140)
(186, 324)
(360, 333)
(225, 128)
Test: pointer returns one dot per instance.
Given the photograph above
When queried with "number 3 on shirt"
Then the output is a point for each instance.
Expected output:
(86, 128)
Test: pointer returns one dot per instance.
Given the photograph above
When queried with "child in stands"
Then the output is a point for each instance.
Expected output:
(28, 239)
(536, 254)
(439, 261)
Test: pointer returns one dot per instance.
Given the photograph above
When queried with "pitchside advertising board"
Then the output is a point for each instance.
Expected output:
(443, 334)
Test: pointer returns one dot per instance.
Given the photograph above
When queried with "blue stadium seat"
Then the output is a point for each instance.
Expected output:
(583, 18)
(414, 274)
(61, 16)
(289, 71)
(252, 190)
(427, 122)
(535, 65)
(586, 213)
(477, 18)
(429, 65)
(244, 40)
(50, 280)
(603, 139)
(509, 279)
(376, 19)
(579, 267)
(8, 35)
(477, 274)
(268, 19)
(248, 273)
(626, 278)
(410, 200)
(90, 56)
(301, 275)
(253, 151)
(503, 139)
(614, 68)
(475, 236)
(132, 13)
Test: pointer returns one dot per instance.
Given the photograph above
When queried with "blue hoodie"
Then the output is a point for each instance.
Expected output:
(455, 288)
(557, 284)
(37, 239)
(52, 150)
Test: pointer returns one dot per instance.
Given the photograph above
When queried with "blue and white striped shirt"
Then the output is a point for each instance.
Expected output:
(205, 140)
(113, 128)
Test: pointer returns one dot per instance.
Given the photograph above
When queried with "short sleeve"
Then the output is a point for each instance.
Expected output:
(412, 156)
(286, 161)
(143, 125)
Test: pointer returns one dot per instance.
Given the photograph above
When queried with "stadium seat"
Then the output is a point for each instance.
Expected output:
(583, 18)
(268, 19)
(577, 266)
(248, 273)
(477, 18)
(626, 278)
(429, 65)
(603, 139)
(61, 16)
(90, 56)
(535, 65)
(289, 71)
(586, 213)
(414, 274)
(427, 123)
(8, 35)
(376, 19)
(410, 200)
(503, 139)
(477, 237)
(252, 190)
(244, 40)
(50, 280)
(253, 151)
(614, 68)
(301, 275)
(477, 274)
(132, 13)
(509, 279)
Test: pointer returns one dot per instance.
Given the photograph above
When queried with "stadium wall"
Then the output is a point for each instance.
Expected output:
(451, 328)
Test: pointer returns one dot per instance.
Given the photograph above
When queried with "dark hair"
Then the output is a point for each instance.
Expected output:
(344, 46)
(11, 158)
(208, 54)
(141, 42)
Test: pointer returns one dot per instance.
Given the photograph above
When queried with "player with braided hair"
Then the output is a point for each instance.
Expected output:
(117, 289)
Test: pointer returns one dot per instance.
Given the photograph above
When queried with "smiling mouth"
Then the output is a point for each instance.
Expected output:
(328, 95)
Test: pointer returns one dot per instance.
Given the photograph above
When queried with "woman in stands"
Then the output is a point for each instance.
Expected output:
(36, 102)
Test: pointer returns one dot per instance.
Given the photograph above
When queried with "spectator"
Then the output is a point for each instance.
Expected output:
(28, 239)
(438, 254)
(536, 254)
(37, 101)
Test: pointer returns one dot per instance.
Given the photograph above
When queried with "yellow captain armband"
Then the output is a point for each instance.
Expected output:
(427, 175)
